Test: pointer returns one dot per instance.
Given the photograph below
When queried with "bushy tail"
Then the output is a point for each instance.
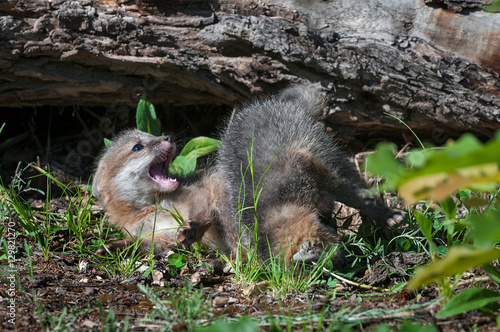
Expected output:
(307, 96)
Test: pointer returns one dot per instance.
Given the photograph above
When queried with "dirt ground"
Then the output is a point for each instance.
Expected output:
(89, 295)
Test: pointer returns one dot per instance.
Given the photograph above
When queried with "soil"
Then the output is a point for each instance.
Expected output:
(66, 281)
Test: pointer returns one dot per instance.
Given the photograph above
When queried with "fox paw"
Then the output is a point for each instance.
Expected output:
(191, 232)
(393, 218)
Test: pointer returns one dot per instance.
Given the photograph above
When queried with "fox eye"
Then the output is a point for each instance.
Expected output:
(137, 147)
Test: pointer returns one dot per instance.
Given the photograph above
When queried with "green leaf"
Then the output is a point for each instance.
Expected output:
(146, 117)
(69, 221)
(485, 228)
(464, 163)
(425, 225)
(475, 202)
(107, 142)
(382, 163)
(464, 193)
(418, 158)
(494, 7)
(177, 260)
(183, 166)
(403, 245)
(442, 250)
(87, 187)
(492, 272)
(458, 259)
(200, 146)
(467, 300)
(466, 145)
(449, 207)
(185, 163)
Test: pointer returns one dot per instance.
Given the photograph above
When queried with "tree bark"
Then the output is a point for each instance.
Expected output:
(435, 64)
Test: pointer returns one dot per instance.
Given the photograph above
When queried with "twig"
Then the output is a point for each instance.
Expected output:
(402, 150)
(232, 116)
(16, 174)
(352, 283)
(473, 280)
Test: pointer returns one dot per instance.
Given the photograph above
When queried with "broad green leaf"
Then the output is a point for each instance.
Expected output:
(449, 207)
(442, 250)
(177, 260)
(458, 259)
(493, 7)
(200, 146)
(448, 160)
(185, 163)
(437, 187)
(475, 202)
(467, 300)
(146, 117)
(425, 225)
(403, 244)
(493, 272)
(466, 145)
(465, 163)
(382, 163)
(418, 158)
(107, 142)
(183, 166)
(464, 193)
(485, 228)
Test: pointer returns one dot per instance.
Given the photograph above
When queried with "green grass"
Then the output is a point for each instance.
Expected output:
(185, 305)
(463, 224)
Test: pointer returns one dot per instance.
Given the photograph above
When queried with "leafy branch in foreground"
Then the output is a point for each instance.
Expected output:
(461, 169)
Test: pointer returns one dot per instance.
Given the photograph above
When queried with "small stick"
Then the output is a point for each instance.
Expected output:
(352, 283)
(16, 174)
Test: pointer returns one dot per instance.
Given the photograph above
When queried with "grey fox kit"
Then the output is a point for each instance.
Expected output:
(299, 171)
(137, 193)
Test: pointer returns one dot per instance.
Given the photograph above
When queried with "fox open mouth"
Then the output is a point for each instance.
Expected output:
(158, 171)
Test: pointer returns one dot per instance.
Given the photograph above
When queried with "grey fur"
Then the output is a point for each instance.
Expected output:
(276, 127)
(305, 173)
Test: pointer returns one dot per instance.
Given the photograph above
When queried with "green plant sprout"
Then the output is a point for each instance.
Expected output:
(146, 119)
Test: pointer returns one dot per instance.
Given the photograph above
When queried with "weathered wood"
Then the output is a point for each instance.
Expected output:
(427, 62)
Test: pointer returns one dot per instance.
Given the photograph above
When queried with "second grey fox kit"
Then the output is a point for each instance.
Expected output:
(299, 171)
